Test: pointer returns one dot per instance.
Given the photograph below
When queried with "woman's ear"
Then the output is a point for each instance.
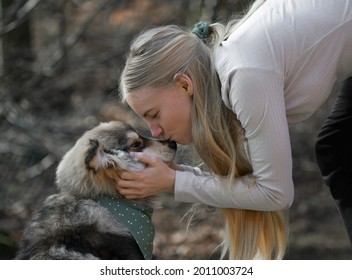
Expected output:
(184, 82)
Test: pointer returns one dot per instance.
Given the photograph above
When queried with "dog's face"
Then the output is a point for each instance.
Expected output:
(88, 169)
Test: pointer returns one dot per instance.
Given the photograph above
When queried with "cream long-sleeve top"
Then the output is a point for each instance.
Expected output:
(278, 67)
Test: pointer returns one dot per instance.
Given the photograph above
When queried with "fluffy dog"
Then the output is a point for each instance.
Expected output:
(88, 219)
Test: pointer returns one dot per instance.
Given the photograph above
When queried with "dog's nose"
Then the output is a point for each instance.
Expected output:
(172, 145)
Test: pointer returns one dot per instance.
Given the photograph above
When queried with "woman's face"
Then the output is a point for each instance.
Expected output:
(167, 110)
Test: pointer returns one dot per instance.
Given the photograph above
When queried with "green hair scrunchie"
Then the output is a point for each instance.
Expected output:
(201, 29)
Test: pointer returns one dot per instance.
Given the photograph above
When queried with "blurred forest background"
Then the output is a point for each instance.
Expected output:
(59, 66)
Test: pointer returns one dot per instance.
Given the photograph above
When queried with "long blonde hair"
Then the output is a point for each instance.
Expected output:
(154, 59)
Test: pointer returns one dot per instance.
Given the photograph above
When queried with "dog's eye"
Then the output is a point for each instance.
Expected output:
(136, 145)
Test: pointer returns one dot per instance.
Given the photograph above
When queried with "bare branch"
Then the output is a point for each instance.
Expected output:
(38, 168)
(68, 44)
(74, 37)
(21, 17)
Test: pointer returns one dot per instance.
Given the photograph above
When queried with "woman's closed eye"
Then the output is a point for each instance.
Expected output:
(154, 116)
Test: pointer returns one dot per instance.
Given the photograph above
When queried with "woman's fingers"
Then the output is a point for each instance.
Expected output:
(128, 176)
(155, 178)
(144, 158)
(131, 192)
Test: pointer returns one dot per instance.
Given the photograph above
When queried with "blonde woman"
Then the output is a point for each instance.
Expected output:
(231, 91)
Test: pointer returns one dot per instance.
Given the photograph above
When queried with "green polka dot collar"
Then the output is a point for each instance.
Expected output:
(136, 217)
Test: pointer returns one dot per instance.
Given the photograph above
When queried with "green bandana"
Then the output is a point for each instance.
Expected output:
(135, 217)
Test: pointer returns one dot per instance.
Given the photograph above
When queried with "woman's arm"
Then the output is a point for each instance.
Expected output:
(257, 97)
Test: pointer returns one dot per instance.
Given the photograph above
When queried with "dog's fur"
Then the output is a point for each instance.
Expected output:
(70, 224)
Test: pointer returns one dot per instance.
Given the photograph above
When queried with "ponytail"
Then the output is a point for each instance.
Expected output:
(249, 234)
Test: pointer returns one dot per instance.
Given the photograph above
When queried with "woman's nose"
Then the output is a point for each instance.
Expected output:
(155, 129)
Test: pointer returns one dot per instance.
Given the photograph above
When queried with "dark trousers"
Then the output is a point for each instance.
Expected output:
(333, 151)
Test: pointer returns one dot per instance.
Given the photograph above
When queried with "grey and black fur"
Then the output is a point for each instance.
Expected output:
(71, 225)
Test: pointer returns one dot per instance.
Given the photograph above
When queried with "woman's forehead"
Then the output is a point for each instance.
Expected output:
(143, 100)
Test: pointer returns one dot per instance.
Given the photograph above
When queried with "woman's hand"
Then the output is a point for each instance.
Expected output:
(157, 177)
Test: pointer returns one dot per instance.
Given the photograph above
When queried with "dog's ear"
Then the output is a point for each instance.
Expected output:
(99, 158)
(91, 155)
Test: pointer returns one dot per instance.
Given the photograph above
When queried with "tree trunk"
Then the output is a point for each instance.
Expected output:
(16, 51)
